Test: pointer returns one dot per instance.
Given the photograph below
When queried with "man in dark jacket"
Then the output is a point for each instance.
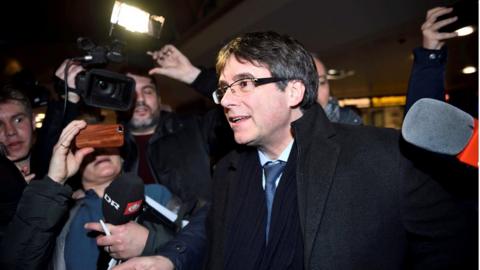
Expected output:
(343, 197)
(22, 159)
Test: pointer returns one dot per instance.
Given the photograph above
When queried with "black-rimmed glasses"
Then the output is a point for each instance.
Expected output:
(242, 86)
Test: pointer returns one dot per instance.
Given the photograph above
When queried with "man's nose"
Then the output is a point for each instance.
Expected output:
(10, 129)
(139, 96)
(228, 99)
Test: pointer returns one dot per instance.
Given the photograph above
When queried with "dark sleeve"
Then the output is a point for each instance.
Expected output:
(348, 116)
(427, 77)
(188, 249)
(30, 237)
(48, 135)
(440, 215)
(206, 82)
(13, 185)
(217, 133)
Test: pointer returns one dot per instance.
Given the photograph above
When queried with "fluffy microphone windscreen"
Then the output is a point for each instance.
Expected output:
(123, 199)
(437, 126)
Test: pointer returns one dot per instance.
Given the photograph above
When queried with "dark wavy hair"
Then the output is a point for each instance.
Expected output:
(282, 55)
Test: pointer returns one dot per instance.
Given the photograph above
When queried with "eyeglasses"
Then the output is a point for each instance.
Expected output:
(242, 86)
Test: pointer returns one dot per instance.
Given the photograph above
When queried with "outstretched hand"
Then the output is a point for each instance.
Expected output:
(64, 162)
(432, 38)
(172, 63)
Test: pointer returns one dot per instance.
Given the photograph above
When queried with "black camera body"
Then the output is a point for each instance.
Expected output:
(105, 89)
(101, 87)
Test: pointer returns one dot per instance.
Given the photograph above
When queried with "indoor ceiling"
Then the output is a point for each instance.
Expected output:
(373, 38)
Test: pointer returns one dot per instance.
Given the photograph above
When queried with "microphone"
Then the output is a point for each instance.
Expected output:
(123, 199)
(441, 128)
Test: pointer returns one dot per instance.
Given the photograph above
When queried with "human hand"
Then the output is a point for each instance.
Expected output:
(73, 70)
(78, 194)
(64, 163)
(432, 38)
(126, 240)
(172, 63)
(146, 263)
(25, 170)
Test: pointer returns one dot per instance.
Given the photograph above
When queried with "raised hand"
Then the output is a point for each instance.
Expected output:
(64, 162)
(432, 38)
(172, 63)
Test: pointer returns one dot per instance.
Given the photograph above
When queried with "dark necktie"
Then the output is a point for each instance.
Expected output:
(272, 171)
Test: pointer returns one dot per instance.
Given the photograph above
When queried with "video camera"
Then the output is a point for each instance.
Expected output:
(101, 87)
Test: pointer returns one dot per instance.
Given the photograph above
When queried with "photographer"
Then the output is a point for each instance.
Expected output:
(174, 151)
(31, 237)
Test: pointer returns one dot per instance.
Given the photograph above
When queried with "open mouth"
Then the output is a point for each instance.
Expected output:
(237, 119)
(142, 109)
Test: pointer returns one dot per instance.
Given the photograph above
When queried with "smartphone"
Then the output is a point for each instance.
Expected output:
(466, 11)
(100, 136)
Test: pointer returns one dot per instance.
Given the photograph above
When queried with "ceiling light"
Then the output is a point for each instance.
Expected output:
(465, 31)
(332, 72)
(469, 70)
(357, 102)
(389, 101)
(136, 20)
(39, 119)
(337, 74)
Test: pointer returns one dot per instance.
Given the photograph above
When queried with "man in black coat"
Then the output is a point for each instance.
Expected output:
(348, 197)
(24, 154)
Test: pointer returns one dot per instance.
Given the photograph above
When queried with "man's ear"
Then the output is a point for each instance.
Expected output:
(295, 91)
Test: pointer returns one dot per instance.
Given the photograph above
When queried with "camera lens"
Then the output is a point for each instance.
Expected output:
(105, 87)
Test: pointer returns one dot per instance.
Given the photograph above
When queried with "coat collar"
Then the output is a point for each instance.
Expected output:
(317, 159)
(317, 155)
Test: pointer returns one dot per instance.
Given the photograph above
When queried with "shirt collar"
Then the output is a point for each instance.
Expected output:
(283, 156)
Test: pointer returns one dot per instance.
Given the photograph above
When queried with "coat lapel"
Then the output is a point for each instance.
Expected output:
(317, 159)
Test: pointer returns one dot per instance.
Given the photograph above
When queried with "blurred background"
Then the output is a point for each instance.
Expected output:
(366, 45)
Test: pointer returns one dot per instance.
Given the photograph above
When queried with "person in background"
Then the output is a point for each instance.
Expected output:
(19, 146)
(17, 128)
(330, 105)
(44, 231)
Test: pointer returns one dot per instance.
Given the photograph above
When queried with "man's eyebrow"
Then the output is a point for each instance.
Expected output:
(237, 77)
(244, 75)
(149, 86)
(19, 114)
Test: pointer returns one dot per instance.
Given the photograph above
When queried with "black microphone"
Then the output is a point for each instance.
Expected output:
(123, 199)
(441, 128)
